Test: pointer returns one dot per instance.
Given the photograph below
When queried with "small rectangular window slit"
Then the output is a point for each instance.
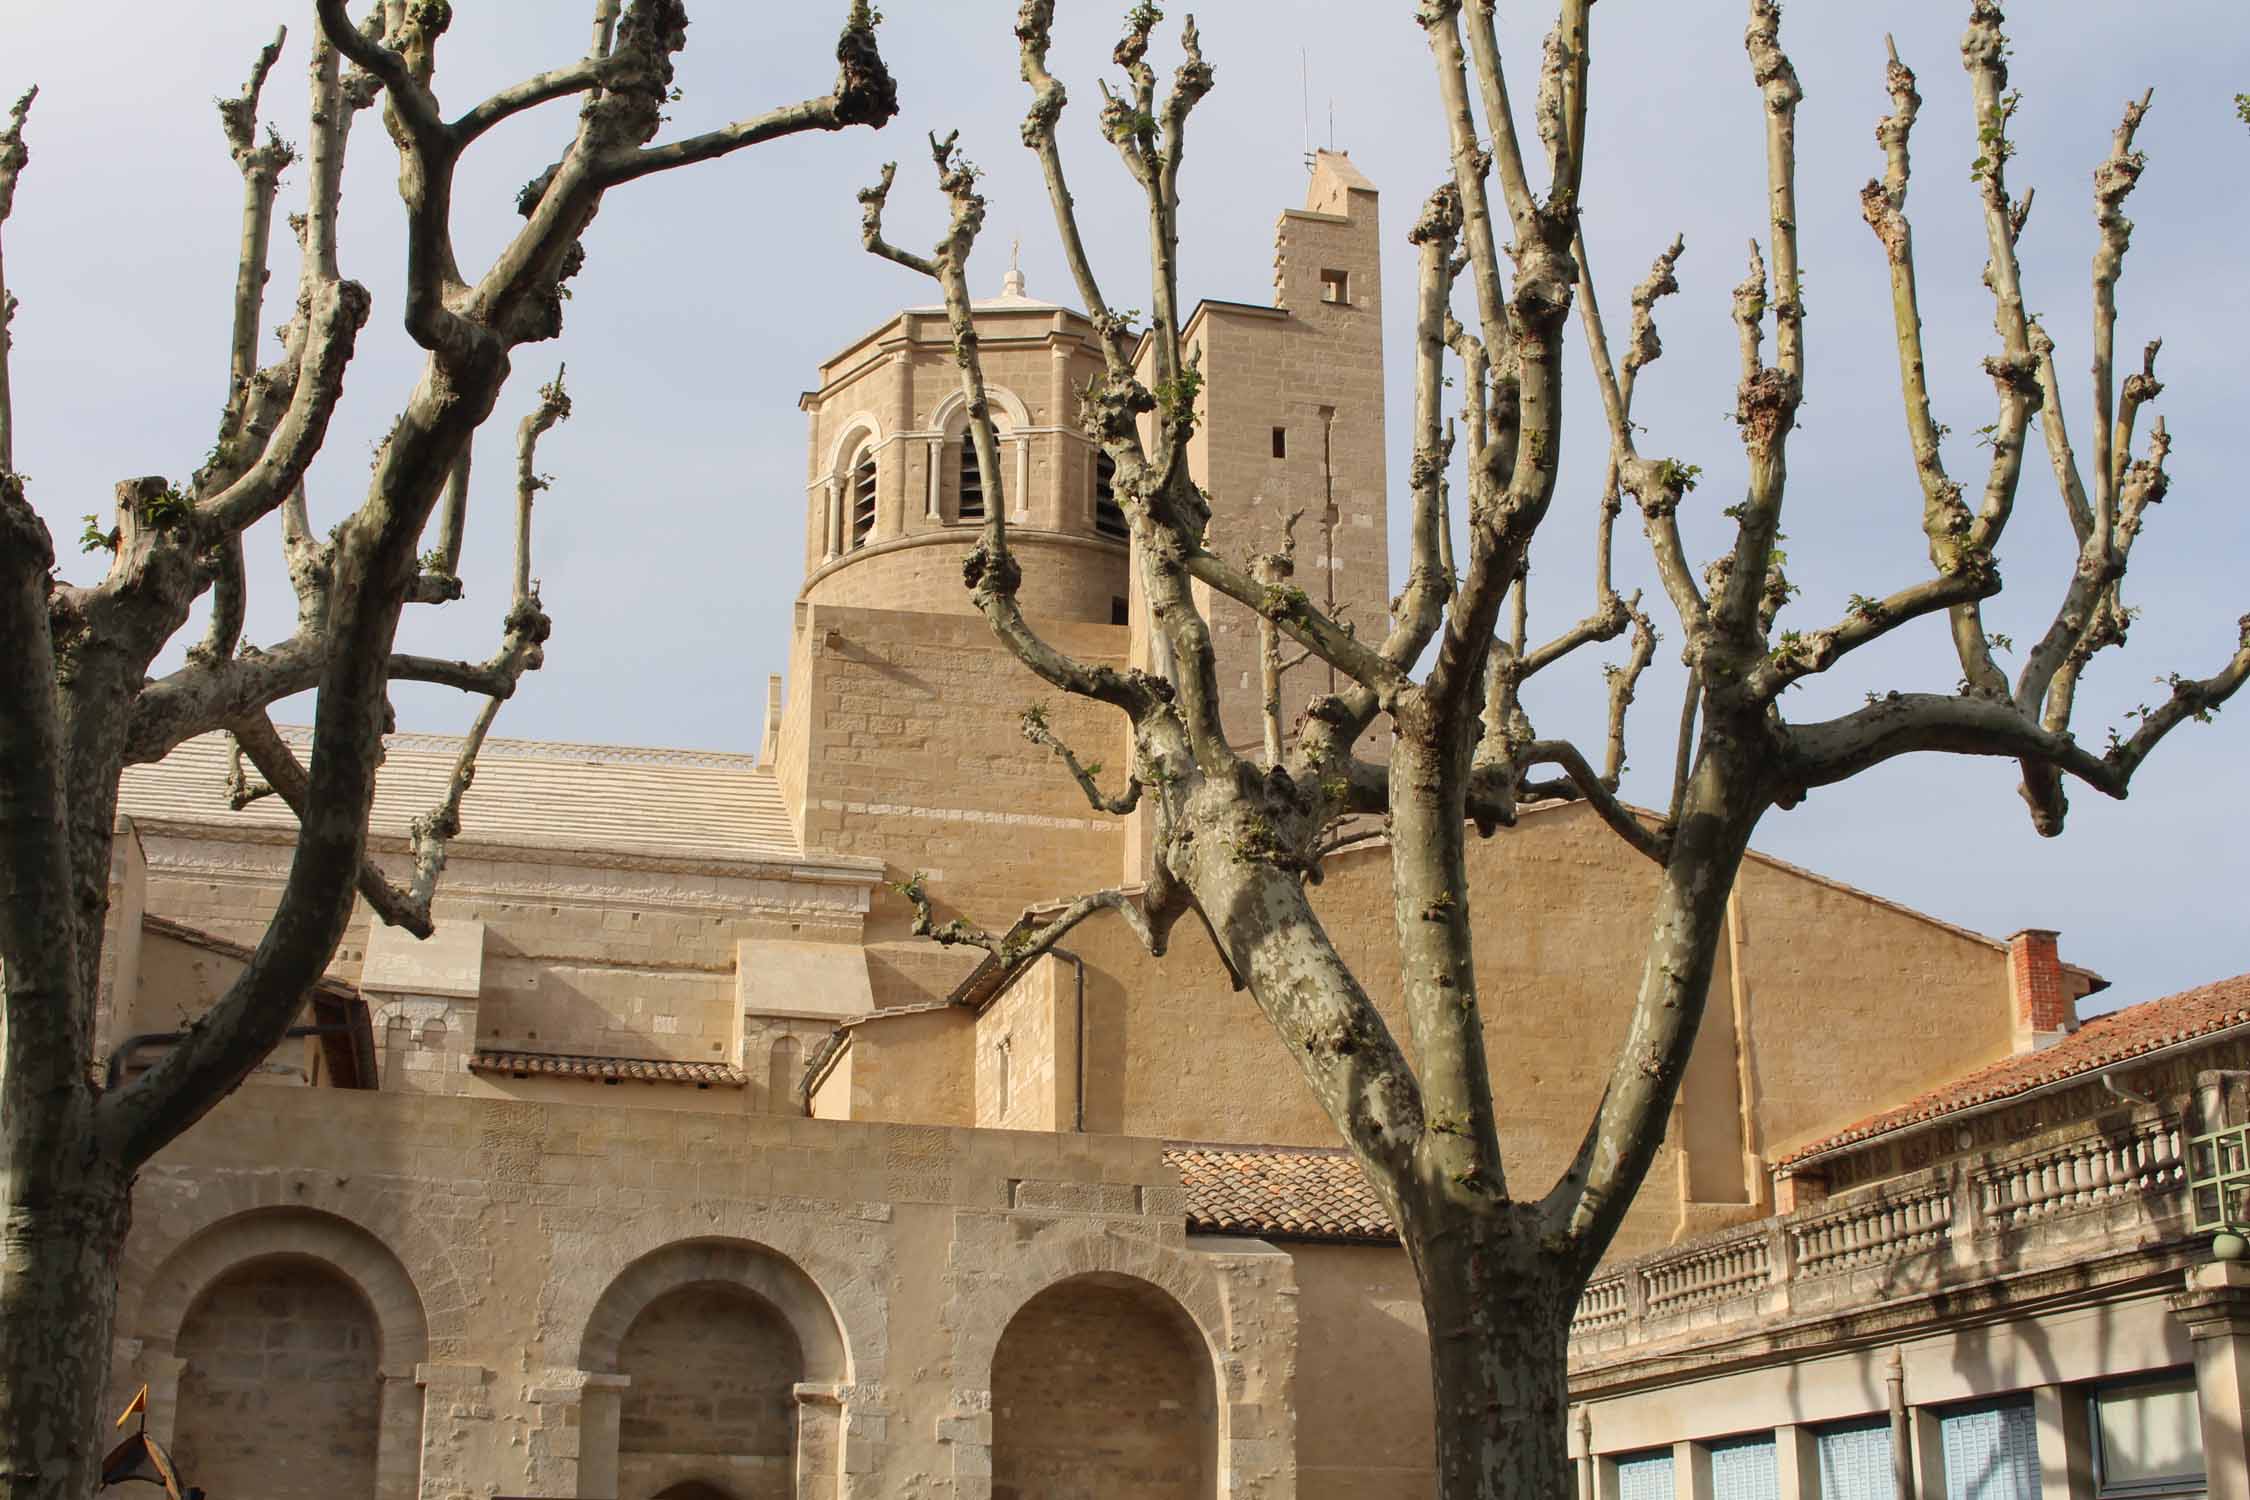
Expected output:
(1281, 442)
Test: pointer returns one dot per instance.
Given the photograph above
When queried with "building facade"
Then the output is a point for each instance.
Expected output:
(675, 1167)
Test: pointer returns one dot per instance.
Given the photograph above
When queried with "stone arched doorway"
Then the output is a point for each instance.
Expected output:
(1103, 1387)
(713, 1370)
(279, 1343)
(280, 1390)
(729, 1365)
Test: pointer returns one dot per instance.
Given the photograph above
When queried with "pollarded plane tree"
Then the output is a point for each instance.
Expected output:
(78, 704)
(1239, 840)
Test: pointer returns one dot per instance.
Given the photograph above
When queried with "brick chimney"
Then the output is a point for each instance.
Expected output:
(2041, 992)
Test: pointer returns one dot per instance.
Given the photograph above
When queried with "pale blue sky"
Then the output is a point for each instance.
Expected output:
(669, 547)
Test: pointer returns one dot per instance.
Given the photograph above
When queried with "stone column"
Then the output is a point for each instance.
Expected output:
(452, 1401)
(162, 1372)
(2065, 1449)
(2215, 1307)
(937, 468)
(1796, 1460)
(893, 503)
(820, 1434)
(1023, 477)
(1691, 1471)
(398, 1437)
(601, 1401)
(968, 1433)
(832, 521)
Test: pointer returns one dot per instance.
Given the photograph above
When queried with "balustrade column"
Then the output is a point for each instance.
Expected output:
(2215, 1307)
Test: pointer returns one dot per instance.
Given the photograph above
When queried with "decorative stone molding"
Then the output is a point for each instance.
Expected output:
(799, 1263)
(345, 1248)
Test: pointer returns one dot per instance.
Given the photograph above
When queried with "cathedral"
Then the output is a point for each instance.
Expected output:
(675, 1167)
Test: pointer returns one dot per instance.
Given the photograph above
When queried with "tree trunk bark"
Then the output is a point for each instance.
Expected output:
(59, 1248)
(1499, 1312)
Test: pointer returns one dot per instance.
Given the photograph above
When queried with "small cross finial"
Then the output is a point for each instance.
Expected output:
(1012, 285)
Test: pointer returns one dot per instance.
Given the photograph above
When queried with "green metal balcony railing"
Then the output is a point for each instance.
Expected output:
(2219, 1179)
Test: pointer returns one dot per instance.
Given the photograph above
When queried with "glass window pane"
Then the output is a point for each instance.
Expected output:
(1745, 1469)
(1645, 1476)
(1855, 1462)
(1991, 1452)
(2149, 1432)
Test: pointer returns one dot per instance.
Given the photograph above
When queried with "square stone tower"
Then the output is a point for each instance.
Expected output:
(1293, 423)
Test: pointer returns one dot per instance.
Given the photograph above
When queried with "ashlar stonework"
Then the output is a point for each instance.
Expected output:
(675, 1166)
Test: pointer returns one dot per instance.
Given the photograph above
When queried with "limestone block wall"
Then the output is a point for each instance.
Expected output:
(1065, 577)
(915, 1066)
(1825, 972)
(1561, 908)
(1293, 421)
(1364, 1426)
(1027, 1052)
(514, 1262)
(912, 756)
(583, 952)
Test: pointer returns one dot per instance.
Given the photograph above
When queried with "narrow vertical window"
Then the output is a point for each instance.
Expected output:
(1281, 442)
(863, 498)
(971, 507)
(1109, 516)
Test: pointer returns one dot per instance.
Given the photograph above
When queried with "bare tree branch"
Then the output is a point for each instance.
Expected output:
(1037, 730)
(991, 570)
(1030, 939)
(14, 156)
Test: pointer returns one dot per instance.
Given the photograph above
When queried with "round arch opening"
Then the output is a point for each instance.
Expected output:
(280, 1388)
(1103, 1386)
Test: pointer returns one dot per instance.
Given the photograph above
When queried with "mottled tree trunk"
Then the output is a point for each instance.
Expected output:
(1499, 1311)
(59, 1246)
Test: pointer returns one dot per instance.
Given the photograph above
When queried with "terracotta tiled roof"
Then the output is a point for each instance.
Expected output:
(1278, 1192)
(2102, 1042)
(640, 1069)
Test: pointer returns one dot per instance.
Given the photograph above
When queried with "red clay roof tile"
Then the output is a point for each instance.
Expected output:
(639, 1069)
(1278, 1192)
(2101, 1042)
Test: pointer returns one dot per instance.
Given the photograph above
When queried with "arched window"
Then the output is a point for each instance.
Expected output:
(1109, 516)
(971, 507)
(863, 497)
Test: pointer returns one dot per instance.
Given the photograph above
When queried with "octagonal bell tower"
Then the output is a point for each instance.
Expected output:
(893, 499)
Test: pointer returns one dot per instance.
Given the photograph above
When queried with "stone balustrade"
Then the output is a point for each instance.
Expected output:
(1950, 1224)
(2083, 1174)
(1712, 1273)
(1881, 1225)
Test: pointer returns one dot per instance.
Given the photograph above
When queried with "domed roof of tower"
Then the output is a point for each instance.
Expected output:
(1012, 296)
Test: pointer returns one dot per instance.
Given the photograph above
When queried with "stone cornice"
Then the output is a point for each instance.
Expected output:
(816, 869)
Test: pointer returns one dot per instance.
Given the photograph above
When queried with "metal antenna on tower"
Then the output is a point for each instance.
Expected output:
(1304, 88)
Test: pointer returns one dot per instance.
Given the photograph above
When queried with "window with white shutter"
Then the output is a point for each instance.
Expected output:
(1991, 1452)
(1645, 1476)
(1745, 1469)
(1855, 1461)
